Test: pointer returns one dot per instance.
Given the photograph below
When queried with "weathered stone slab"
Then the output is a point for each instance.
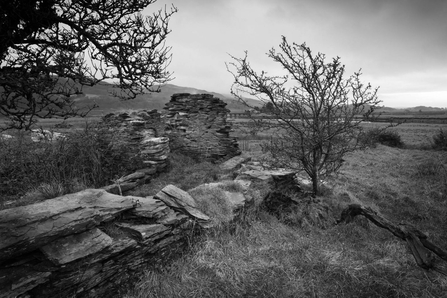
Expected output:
(178, 199)
(149, 207)
(148, 171)
(158, 211)
(73, 247)
(234, 163)
(155, 141)
(20, 280)
(26, 228)
(132, 177)
(264, 174)
(119, 189)
(146, 232)
(172, 218)
(175, 197)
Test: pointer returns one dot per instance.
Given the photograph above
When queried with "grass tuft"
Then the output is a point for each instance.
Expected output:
(213, 201)
(51, 190)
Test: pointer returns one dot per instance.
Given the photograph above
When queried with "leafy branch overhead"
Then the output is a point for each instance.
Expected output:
(49, 49)
(316, 110)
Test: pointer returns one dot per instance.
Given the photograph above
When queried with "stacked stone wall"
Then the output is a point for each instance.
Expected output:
(191, 123)
(143, 134)
(199, 124)
(89, 244)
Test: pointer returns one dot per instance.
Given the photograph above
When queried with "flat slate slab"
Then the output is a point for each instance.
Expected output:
(266, 174)
(26, 228)
(178, 199)
(70, 248)
(146, 232)
(234, 163)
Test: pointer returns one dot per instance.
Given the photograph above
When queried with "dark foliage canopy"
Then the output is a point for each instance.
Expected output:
(49, 49)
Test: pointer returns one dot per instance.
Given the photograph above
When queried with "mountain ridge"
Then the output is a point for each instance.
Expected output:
(100, 94)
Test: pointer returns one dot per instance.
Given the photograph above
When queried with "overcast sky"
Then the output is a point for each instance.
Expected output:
(400, 45)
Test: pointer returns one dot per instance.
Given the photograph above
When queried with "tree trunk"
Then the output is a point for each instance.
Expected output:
(315, 187)
(417, 241)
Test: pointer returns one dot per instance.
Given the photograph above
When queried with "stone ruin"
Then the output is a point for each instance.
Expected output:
(192, 123)
(199, 122)
(93, 243)
(143, 132)
(88, 243)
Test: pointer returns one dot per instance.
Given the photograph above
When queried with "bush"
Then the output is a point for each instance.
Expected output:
(390, 138)
(91, 157)
(440, 140)
(368, 138)
(372, 137)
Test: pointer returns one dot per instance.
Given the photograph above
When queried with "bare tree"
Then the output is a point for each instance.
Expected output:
(49, 49)
(317, 111)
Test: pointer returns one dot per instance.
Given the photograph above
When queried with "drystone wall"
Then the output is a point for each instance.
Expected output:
(195, 124)
(143, 134)
(199, 123)
(88, 243)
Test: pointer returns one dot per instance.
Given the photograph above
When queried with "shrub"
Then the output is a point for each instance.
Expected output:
(97, 155)
(369, 138)
(440, 140)
(382, 136)
(91, 157)
(390, 138)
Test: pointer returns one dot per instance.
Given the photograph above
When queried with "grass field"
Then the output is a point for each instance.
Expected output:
(265, 257)
(414, 135)
(269, 257)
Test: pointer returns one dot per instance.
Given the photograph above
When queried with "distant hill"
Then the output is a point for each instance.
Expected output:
(419, 111)
(424, 109)
(100, 94)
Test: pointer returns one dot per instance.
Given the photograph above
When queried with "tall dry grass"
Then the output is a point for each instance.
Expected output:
(264, 257)
(91, 157)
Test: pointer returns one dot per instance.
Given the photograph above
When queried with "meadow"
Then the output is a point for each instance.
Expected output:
(267, 256)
